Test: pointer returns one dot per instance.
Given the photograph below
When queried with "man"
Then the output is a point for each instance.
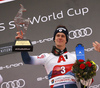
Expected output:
(58, 63)
(96, 46)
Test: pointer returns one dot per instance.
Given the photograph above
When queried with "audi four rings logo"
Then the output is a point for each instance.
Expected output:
(20, 83)
(80, 33)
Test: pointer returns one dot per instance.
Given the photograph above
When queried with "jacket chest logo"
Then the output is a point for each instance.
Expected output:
(62, 58)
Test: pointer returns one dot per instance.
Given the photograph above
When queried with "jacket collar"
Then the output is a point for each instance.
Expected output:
(57, 51)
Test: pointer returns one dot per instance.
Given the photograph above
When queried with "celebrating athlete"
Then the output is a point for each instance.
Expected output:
(58, 63)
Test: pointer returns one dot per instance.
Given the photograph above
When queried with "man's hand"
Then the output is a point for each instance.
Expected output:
(96, 46)
(86, 82)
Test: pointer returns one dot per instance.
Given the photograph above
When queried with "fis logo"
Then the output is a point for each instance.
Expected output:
(52, 80)
(4, 1)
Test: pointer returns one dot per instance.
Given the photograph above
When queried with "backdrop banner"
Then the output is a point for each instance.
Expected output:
(82, 19)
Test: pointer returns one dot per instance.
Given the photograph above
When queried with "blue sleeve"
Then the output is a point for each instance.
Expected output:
(25, 57)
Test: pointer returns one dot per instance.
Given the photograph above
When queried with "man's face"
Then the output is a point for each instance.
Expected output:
(60, 39)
